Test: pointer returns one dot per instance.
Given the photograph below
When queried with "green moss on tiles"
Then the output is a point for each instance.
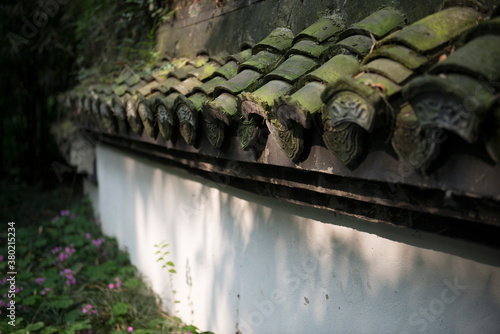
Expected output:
(322, 29)
(435, 30)
(224, 108)
(300, 106)
(208, 87)
(246, 80)
(335, 68)
(292, 69)
(263, 62)
(399, 53)
(261, 101)
(278, 41)
(378, 24)
(389, 69)
(479, 57)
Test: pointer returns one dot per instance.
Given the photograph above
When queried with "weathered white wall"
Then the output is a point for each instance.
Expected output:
(263, 266)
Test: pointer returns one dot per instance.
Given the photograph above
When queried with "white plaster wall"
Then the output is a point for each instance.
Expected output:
(264, 266)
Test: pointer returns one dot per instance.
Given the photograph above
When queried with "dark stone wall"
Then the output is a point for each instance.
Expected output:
(205, 25)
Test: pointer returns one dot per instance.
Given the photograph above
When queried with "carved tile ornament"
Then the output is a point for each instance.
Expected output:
(321, 81)
(107, 118)
(416, 145)
(165, 119)
(145, 109)
(289, 139)
(445, 111)
(251, 135)
(348, 106)
(120, 113)
(214, 130)
(187, 122)
(345, 141)
(133, 119)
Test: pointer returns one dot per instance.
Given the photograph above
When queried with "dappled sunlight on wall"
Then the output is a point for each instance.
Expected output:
(264, 266)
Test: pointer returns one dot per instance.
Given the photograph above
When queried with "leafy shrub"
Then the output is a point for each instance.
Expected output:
(72, 279)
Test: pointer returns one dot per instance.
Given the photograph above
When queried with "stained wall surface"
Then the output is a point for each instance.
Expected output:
(259, 265)
(202, 24)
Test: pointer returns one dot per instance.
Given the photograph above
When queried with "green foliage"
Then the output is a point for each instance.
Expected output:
(79, 40)
(70, 279)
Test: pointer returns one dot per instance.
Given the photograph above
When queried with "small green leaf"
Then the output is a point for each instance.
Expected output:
(30, 300)
(170, 263)
(40, 243)
(63, 303)
(190, 328)
(172, 271)
(34, 327)
(159, 259)
(120, 309)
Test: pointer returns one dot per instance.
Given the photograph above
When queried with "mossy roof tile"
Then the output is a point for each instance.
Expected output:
(245, 80)
(292, 69)
(182, 72)
(388, 68)
(278, 41)
(263, 62)
(337, 67)
(209, 86)
(309, 48)
(479, 57)
(435, 30)
(321, 30)
(399, 53)
(377, 24)
(204, 72)
(357, 44)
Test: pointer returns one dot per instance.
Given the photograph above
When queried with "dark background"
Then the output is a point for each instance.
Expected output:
(47, 47)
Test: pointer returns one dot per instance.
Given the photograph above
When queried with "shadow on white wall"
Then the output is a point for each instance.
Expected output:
(260, 265)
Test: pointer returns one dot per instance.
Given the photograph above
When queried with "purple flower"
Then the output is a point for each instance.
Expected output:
(130, 329)
(40, 280)
(56, 218)
(118, 282)
(2, 303)
(1, 258)
(69, 275)
(111, 286)
(97, 242)
(45, 290)
(87, 235)
(73, 216)
(64, 213)
(88, 309)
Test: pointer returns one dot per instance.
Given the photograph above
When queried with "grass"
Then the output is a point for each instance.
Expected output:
(73, 279)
